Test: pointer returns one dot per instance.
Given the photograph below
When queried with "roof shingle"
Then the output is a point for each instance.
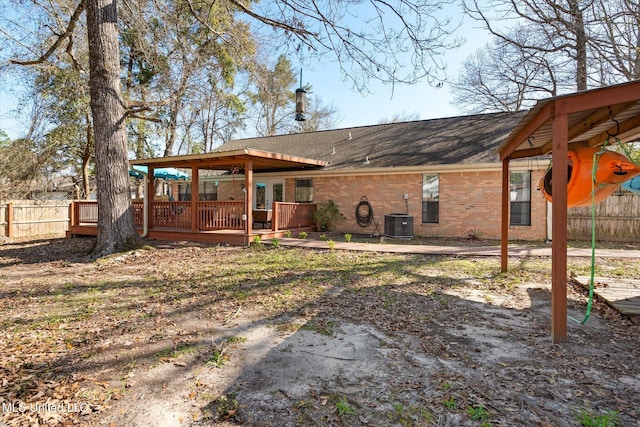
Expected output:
(454, 140)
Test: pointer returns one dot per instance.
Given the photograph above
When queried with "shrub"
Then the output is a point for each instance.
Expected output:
(347, 237)
(474, 234)
(257, 243)
(327, 215)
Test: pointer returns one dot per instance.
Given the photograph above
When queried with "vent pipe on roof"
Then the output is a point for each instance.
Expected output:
(333, 150)
(349, 135)
(366, 160)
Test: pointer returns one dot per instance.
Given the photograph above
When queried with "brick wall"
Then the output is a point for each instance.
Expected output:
(468, 200)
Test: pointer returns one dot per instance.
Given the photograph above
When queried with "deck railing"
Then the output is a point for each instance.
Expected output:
(290, 216)
(171, 215)
(85, 212)
(211, 215)
(138, 213)
(215, 215)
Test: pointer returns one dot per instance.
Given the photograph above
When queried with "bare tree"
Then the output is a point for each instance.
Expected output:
(274, 101)
(398, 118)
(544, 48)
(395, 41)
(616, 40)
(555, 28)
(503, 77)
(273, 96)
(173, 49)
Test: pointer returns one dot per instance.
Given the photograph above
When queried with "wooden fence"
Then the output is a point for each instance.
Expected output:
(31, 218)
(617, 219)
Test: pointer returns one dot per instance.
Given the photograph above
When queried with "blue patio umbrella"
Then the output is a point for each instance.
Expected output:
(632, 185)
(168, 174)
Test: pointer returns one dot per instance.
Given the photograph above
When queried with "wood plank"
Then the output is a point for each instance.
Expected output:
(559, 230)
(621, 294)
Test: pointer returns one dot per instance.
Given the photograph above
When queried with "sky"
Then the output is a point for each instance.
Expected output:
(382, 103)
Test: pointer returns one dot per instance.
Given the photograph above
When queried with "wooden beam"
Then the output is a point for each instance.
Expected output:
(598, 98)
(629, 131)
(530, 152)
(601, 116)
(506, 201)
(532, 125)
(559, 230)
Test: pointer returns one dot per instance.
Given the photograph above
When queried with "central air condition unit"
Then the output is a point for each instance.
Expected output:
(398, 225)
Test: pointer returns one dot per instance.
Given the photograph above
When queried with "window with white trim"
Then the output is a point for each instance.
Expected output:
(430, 198)
(304, 190)
(520, 197)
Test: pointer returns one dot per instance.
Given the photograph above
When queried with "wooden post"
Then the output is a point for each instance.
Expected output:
(506, 201)
(248, 198)
(151, 192)
(559, 228)
(195, 193)
(10, 219)
(275, 208)
(73, 219)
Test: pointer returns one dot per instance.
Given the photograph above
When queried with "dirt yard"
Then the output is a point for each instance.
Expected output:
(184, 334)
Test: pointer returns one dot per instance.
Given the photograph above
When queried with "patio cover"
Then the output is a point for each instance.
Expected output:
(244, 161)
(261, 161)
(556, 125)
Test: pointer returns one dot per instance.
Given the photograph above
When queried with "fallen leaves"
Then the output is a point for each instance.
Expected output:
(78, 338)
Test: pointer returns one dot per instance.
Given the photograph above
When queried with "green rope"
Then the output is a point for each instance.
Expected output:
(594, 170)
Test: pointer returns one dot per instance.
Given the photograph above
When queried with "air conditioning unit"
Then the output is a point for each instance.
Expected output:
(398, 225)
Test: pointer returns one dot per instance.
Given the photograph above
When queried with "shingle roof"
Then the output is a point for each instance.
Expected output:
(453, 140)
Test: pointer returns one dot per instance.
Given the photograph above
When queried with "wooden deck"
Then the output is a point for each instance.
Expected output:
(231, 237)
(215, 222)
(621, 294)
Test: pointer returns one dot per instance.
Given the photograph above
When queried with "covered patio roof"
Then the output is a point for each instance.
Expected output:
(557, 125)
(262, 161)
(590, 120)
(245, 161)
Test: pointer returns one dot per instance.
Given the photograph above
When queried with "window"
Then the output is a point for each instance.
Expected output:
(304, 190)
(430, 198)
(208, 190)
(261, 195)
(520, 195)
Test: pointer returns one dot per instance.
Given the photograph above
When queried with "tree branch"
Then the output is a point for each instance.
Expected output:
(59, 40)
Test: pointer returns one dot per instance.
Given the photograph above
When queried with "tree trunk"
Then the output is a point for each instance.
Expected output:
(116, 231)
(581, 45)
(86, 158)
(173, 124)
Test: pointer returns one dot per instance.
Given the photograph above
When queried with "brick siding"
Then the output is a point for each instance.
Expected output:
(468, 200)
